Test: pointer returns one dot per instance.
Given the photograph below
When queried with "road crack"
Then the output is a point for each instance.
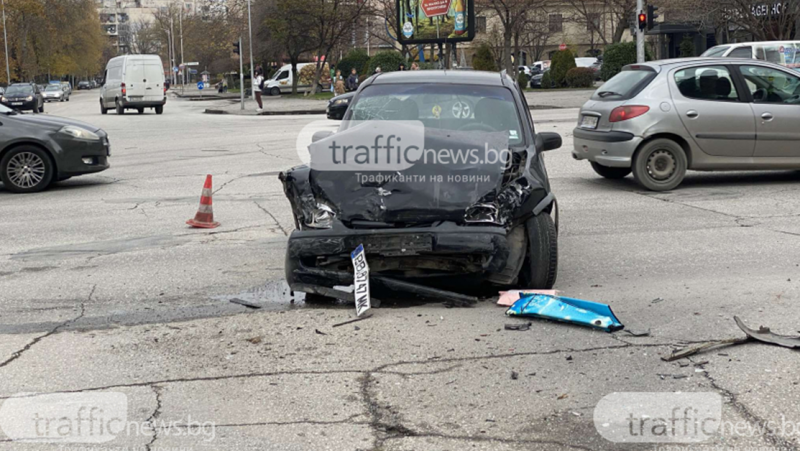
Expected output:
(273, 218)
(151, 420)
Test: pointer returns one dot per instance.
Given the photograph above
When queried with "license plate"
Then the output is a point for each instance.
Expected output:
(588, 122)
(16, 103)
(360, 280)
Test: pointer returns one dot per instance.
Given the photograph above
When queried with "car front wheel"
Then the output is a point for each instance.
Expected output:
(609, 172)
(541, 264)
(275, 92)
(660, 165)
(26, 169)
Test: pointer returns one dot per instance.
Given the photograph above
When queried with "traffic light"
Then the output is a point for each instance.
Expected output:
(651, 16)
(642, 20)
(236, 48)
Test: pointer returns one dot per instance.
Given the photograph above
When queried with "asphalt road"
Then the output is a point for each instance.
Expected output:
(103, 288)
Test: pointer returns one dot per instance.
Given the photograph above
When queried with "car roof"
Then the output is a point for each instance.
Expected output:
(471, 77)
(669, 63)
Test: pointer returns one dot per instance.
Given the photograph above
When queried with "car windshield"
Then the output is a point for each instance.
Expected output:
(19, 90)
(624, 85)
(716, 51)
(53, 88)
(442, 106)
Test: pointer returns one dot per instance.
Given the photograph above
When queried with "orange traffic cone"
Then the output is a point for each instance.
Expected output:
(204, 218)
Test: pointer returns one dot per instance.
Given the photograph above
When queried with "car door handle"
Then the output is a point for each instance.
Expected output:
(766, 116)
(691, 114)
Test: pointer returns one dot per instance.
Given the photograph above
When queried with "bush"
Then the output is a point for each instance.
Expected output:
(687, 46)
(387, 60)
(560, 64)
(355, 58)
(580, 77)
(618, 55)
(522, 80)
(547, 81)
(484, 59)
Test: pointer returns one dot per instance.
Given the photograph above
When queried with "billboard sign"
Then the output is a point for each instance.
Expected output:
(435, 21)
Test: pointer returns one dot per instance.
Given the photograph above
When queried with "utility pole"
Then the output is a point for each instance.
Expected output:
(639, 33)
(172, 44)
(183, 67)
(5, 41)
(241, 74)
(252, 72)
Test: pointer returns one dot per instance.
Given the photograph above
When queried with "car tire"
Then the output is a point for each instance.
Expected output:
(41, 108)
(103, 110)
(26, 169)
(609, 172)
(159, 109)
(119, 108)
(275, 92)
(540, 269)
(660, 165)
(140, 110)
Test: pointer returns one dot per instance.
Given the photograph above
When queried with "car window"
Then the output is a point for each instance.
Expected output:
(769, 85)
(706, 83)
(283, 75)
(624, 85)
(741, 52)
(716, 51)
(443, 106)
(17, 90)
(53, 88)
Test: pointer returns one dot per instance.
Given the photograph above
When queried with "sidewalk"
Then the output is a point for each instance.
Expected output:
(540, 99)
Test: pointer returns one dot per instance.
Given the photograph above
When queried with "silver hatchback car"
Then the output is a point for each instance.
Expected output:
(660, 118)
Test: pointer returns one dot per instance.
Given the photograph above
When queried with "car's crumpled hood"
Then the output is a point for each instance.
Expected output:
(54, 121)
(424, 192)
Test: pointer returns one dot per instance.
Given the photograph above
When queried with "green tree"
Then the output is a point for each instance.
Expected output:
(618, 55)
(387, 60)
(560, 64)
(356, 58)
(687, 46)
(484, 59)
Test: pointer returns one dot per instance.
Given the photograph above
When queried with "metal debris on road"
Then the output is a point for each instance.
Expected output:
(763, 334)
(521, 326)
(245, 303)
(568, 310)
(657, 300)
(319, 332)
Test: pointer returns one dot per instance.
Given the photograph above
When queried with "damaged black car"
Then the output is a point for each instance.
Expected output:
(446, 193)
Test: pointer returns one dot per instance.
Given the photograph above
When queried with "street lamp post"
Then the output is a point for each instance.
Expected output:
(250, 32)
(5, 41)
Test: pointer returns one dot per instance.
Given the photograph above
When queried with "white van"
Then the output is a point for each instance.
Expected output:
(281, 81)
(133, 82)
(785, 53)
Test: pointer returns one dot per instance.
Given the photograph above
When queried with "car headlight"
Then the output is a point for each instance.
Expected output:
(29, 98)
(321, 217)
(2, 98)
(79, 133)
(341, 101)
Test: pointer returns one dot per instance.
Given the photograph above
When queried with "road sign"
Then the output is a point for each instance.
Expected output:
(433, 8)
(193, 71)
(175, 69)
(562, 47)
(200, 85)
(193, 64)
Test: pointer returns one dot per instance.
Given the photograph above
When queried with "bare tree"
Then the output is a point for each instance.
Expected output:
(288, 23)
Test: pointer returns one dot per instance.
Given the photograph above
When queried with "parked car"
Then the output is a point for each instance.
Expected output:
(337, 106)
(55, 93)
(36, 151)
(590, 62)
(133, 82)
(281, 81)
(23, 96)
(661, 118)
(499, 227)
(67, 86)
(525, 70)
(536, 80)
(84, 85)
(785, 53)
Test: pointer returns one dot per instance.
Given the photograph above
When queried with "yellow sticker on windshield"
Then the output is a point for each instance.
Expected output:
(437, 111)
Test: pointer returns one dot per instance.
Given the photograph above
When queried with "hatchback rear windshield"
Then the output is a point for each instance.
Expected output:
(624, 85)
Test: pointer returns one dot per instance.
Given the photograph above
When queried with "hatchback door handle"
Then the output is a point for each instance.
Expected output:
(766, 116)
(691, 114)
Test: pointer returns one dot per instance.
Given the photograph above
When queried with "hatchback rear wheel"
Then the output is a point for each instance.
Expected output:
(660, 165)
(26, 169)
(609, 172)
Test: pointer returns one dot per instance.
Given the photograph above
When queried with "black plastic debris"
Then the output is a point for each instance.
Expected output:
(245, 303)
(520, 326)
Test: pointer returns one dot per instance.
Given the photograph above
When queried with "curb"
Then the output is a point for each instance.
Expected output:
(266, 113)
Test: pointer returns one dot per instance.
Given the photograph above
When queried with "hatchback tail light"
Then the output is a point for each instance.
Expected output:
(623, 113)
(124, 91)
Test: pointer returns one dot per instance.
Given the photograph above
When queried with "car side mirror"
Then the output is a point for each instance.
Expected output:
(548, 141)
(322, 134)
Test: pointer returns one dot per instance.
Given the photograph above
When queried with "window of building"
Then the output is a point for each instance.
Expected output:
(480, 24)
(555, 23)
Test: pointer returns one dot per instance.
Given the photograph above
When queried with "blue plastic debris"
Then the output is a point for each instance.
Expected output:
(568, 310)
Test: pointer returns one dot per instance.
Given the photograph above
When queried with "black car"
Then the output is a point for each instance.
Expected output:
(36, 151)
(23, 96)
(536, 80)
(84, 85)
(337, 106)
(448, 222)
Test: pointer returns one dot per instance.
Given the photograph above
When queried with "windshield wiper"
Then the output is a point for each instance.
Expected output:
(603, 94)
